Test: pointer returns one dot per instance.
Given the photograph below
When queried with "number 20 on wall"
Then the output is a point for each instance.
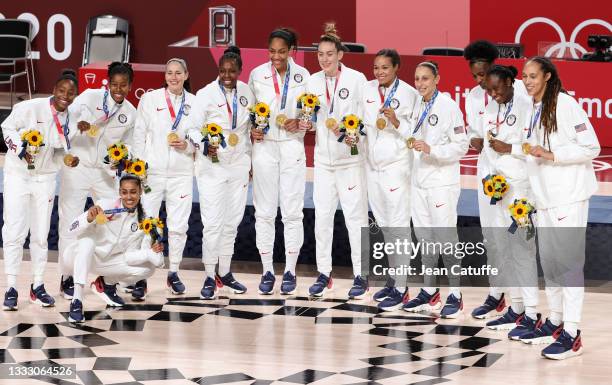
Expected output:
(58, 18)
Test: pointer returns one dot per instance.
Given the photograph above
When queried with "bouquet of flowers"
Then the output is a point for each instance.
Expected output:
(521, 212)
(117, 156)
(153, 227)
(495, 186)
(260, 115)
(309, 105)
(213, 137)
(31, 142)
(139, 167)
(351, 126)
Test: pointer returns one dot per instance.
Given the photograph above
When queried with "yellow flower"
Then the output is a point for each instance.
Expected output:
(137, 167)
(499, 179)
(489, 189)
(351, 122)
(117, 151)
(146, 225)
(33, 137)
(262, 109)
(519, 210)
(214, 129)
(310, 100)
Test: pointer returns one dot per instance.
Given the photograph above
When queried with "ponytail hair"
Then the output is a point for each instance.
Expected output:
(330, 35)
(231, 53)
(68, 74)
(551, 94)
(432, 65)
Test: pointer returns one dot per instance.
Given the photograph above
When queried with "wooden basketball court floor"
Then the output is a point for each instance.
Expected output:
(255, 339)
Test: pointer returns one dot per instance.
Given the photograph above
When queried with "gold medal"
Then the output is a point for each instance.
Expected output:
(526, 148)
(490, 135)
(68, 159)
(233, 139)
(331, 123)
(381, 123)
(173, 136)
(93, 131)
(280, 120)
(410, 142)
(101, 219)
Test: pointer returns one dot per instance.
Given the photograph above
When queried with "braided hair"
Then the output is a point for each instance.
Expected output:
(551, 94)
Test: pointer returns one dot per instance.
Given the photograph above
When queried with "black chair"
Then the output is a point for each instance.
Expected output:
(20, 28)
(104, 46)
(13, 49)
(442, 51)
(354, 47)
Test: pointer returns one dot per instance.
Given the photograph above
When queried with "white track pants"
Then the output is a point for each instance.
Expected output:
(436, 208)
(348, 185)
(27, 207)
(177, 192)
(389, 194)
(563, 299)
(223, 193)
(279, 177)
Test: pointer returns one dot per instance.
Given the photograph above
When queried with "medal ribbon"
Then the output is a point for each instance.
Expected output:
(332, 99)
(63, 131)
(175, 119)
(233, 112)
(425, 112)
(285, 86)
(533, 122)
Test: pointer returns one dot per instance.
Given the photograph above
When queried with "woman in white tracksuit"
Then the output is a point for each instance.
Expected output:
(160, 139)
(387, 104)
(29, 193)
(279, 158)
(338, 175)
(222, 185)
(504, 121)
(481, 55)
(439, 142)
(562, 145)
(117, 250)
(112, 116)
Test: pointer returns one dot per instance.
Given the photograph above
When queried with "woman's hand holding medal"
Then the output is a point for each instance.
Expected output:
(93, 213)
(420, 145)
(541, 152)
(389, 113)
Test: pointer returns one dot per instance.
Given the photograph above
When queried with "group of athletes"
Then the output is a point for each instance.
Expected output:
(404, 164)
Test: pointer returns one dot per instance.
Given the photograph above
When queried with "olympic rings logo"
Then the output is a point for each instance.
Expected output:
(563, 43)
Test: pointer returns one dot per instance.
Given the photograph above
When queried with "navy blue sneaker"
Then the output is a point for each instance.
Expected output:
(10, 299)
(547, 333)
(108, 293)
(40, 297)
(209, 290)
(453, 307)
(424, 302)
(383, 293)
(359, 289)
(322, 284)
(394, 300)
(76, 312)
(174, 283)
(524, 326)
(490, 307)
(506, 322)
(67, 287)
(266, 286)
(289, 284)
(140, 290)
(127, 289)
(564, 347)
(229, 281)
